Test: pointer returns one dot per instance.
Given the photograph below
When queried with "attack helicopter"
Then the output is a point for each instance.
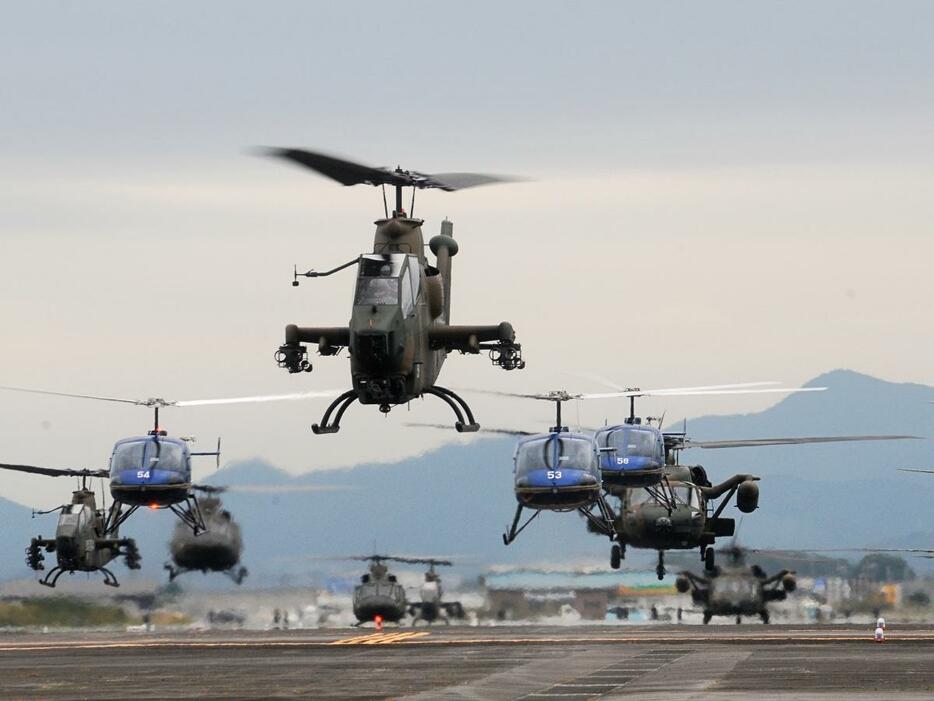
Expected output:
(155, 470)
(399, 332)
(81, 543)
(432, 606)
(736, 589)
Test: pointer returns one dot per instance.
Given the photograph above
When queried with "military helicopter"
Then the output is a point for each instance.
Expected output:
(379, 597)
(399, 332)
(155, 470)
(81, 543)
(220, 547)
(666, 505)
(432, 607)
(735, 589)
(216, 550)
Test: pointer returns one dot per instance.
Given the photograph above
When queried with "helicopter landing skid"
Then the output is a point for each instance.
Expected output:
(51, 579)
(341, 404)
(604, 522)
(189, 512)
(515, 529)
(456, 403)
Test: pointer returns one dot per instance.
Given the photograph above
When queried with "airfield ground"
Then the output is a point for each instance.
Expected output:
(563, 663)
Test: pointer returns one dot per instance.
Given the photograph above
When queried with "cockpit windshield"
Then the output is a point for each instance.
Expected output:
(148, 455)
(378, 279)
(554, 453)
(632, 441)
(127, 456)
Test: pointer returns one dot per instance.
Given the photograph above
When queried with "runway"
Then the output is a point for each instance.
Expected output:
(508, 662)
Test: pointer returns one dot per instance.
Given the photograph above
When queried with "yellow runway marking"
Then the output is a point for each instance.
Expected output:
(422, 638)
(380, 638)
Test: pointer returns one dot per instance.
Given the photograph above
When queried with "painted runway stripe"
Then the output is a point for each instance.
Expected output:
(419, 639)
(380, 638)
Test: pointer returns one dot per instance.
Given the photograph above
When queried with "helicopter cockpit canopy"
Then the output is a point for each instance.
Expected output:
(557, 451)
(633, 441)
(147, 460)
(391, 279)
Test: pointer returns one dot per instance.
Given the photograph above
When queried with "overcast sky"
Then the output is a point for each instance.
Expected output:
(719, 192)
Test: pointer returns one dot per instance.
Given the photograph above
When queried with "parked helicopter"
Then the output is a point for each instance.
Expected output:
(736, 589)
(432, 606)
(155, 470)
(81, 542)
(399, 332)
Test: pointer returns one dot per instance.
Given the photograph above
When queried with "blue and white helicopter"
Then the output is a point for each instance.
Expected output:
(558, 471)
(154, 470)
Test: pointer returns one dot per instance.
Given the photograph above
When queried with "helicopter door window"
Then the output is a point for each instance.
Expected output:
(408, 298)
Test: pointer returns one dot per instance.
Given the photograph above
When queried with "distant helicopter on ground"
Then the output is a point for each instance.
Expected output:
(379, 597)
(399, 332)
(736, 589)
(81, 543)
(155, 470)
(432, 606)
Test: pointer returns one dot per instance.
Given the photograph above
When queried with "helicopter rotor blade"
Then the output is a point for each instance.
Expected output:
(758, 442)
(350, 173)
(449, 182)
(160, 402)
(268, 488)
(55, 472)
(69, 394)
(696, 392)
(483, 429)
(914, 469)
(316, 394)
(740, 388)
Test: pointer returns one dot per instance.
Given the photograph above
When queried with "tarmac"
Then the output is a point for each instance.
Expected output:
(721, 662)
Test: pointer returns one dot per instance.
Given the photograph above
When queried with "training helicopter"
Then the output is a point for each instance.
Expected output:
(736, 589)
(432, 607)
(155, 470)
(399, 332)
(81, 543)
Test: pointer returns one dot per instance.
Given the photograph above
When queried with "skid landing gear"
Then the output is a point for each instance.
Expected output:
(189, 512)
(340, 404)
(464, 423)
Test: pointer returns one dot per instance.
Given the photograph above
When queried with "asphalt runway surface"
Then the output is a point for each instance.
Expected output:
(508, 662)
